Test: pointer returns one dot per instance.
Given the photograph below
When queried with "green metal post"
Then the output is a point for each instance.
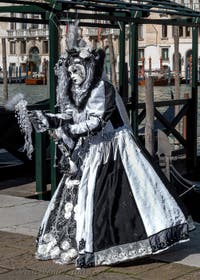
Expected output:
(40, 170)
(133, 52)
(194, 92)
(53, 57)
(121, 59)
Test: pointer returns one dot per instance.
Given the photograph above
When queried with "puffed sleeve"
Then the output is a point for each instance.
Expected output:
(43, 121)
(99, 109)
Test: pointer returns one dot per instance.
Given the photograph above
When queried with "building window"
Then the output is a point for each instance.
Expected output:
(45, 47)
(187, 31)
(164, 31)
(24, 24)
(12, 48)
(140, 32)
(12, 24)
(35, 25)
(140, 54)
(165, 53)
(180, 31)
(23, 47)
(23, 67)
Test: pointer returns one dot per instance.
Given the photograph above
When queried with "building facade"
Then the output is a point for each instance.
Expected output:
(27, 45)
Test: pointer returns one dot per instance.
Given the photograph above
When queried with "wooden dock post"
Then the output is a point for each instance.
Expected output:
(149, 126)
(112, 60)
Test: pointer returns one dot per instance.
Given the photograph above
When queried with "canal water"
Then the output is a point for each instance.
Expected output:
(31, 93)
(38, 93)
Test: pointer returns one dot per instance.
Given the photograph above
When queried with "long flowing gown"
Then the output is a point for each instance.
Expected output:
(116, 207)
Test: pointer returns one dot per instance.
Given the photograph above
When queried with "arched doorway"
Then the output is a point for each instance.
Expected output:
(34, 60)
(107, 62)
(188, 65)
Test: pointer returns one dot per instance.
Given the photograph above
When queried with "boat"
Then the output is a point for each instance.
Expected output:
(141, 81)
(160, 80)
(35, 81)
(157, 81)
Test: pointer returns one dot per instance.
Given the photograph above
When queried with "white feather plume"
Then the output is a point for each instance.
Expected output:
(12, 102)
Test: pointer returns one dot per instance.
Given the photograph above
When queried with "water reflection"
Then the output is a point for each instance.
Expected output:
(32, 94)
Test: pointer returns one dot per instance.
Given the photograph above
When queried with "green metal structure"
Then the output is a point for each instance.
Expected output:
(114, 14)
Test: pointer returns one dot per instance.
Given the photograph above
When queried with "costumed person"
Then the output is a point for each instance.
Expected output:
(111, 205)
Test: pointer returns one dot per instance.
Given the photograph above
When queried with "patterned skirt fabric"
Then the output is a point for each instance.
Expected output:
(119, 209)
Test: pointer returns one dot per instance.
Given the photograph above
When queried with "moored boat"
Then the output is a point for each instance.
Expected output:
(35, 81)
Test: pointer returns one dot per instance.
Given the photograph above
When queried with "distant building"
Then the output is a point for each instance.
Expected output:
(27, 44)
(155, 44)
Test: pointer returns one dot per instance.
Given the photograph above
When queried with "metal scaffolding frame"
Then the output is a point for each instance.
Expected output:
(109, 14)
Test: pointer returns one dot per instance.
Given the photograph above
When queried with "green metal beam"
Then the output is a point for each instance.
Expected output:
(148, 6)
(166, 7)
(122, 45)
(134, 76)
(48, 6)
(127, 19)
(29, 9)
(22, 20)
(53, 58)
(194, 101)
(40, 160)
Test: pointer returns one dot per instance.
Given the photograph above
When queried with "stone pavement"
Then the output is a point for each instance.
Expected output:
(19, 221)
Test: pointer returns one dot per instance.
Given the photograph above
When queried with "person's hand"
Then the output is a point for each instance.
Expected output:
(38, 120)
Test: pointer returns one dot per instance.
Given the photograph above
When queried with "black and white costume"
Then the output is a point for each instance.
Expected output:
(113, 207)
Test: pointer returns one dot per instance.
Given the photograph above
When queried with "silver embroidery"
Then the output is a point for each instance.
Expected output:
(25, 125)
(18, 104)
(122, 253)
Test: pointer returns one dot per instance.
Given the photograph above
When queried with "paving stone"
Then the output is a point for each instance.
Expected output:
(3, 270)
(12, 237)
(7, 201)
(17, 241)
(22, 274)
(17, 262)
(6, 252)
(21, 215)
(26, 244)
(88, 271)
(137, 266)
(49, 267)
(166, 272)
(112, 276)
(30, 229)
(195, 275)
(60, 277)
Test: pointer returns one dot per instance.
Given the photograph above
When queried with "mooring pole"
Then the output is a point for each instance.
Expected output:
(149, 125)
(112, 60)
(5, 81)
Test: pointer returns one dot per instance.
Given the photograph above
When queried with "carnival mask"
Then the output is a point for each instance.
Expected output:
(77, 73)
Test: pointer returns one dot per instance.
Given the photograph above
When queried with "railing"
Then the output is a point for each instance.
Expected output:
(29, 33)
(94, 31)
